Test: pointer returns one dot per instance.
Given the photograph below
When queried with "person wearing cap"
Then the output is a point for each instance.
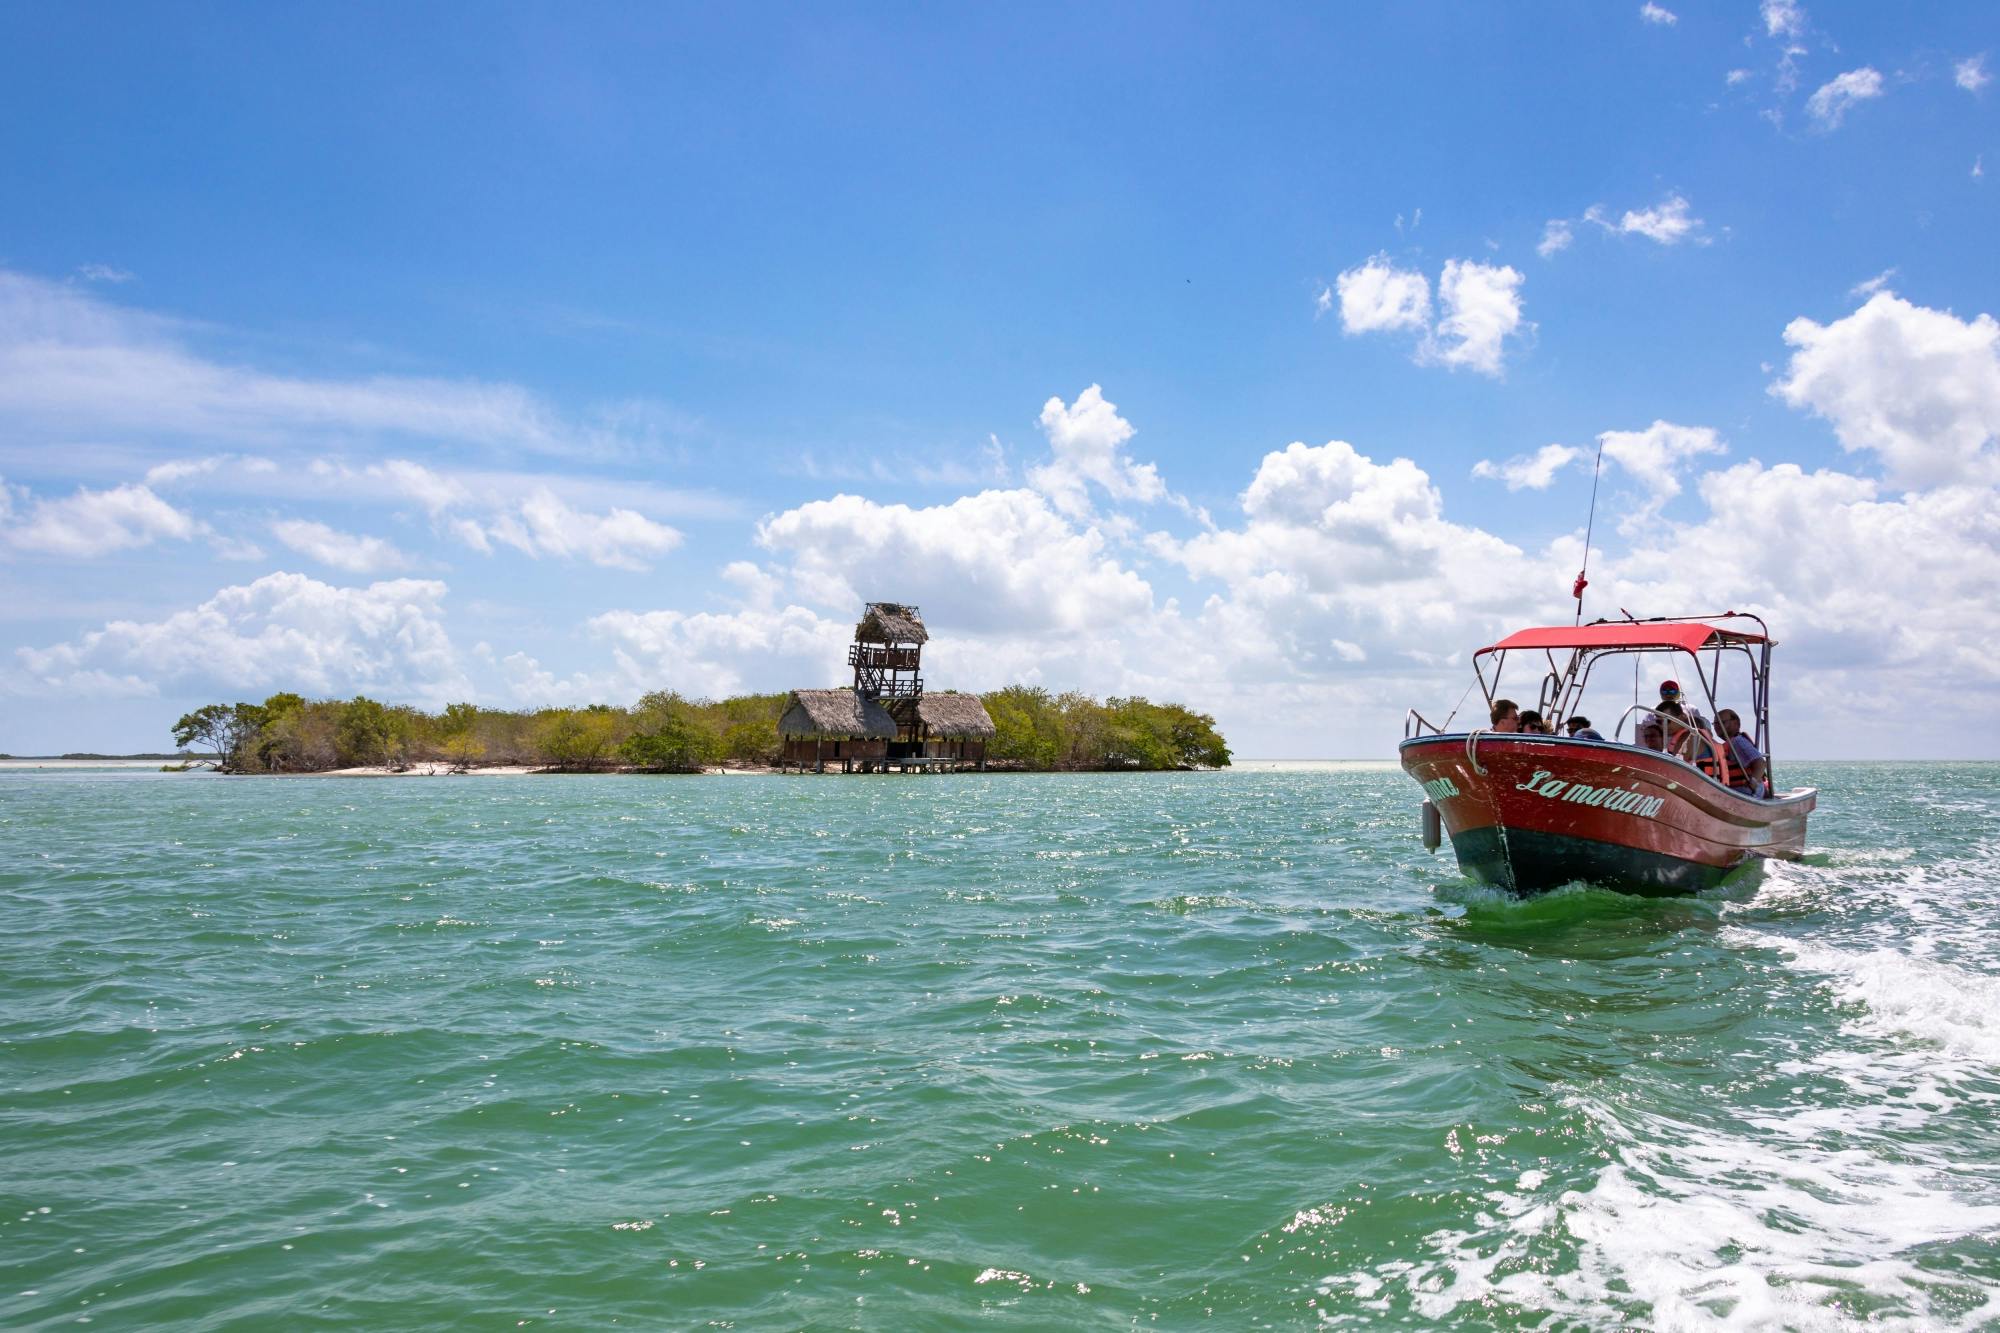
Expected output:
(1680, 739)
(1581, 730)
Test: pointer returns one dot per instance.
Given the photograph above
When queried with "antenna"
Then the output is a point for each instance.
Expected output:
(1589, 528)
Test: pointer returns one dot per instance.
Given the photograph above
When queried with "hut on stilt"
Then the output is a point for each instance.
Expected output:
(885, 720)
(839, 726)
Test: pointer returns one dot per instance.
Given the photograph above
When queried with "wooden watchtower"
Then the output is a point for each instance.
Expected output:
(887, 652)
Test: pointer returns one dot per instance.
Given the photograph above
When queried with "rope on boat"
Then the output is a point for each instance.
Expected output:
(1472, 750)
(1455, 707)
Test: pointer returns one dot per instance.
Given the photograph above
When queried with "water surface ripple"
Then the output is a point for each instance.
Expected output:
(1092, 1052)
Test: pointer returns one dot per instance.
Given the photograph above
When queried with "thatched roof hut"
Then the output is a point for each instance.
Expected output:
(891, 622)
(954, 716)
(835, 713)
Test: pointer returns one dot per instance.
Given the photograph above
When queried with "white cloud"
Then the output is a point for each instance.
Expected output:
(74, 365)
(1086, 442)
(992, 561)
(93, 523)
(1873, 599)
(1482, 309)
(1652, 13)
(1378, 296)
(343, 550)
(1534, 472)
(718, 653)
(1736, 76)
(1667, 222)
(1556, 237)
(1322, 300)
(544, 525)
(1783, 18)
(1829, 105)
(1920, 388)
(103, 273)
(1870, 286)
(283, 631)
(183, 469)
(1970, 73)
(1654, 457)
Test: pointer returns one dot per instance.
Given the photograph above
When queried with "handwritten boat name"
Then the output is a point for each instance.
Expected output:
(1620, 799)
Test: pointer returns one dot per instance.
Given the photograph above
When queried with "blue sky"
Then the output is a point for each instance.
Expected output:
(530, 355)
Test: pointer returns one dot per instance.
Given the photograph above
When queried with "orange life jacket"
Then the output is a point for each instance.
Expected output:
(1715, 758)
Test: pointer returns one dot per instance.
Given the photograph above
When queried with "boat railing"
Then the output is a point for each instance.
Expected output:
(1416, 724)
(1669, 720)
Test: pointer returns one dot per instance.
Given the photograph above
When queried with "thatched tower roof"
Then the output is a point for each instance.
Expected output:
(954, 715)
(835, 713)
(891, 622)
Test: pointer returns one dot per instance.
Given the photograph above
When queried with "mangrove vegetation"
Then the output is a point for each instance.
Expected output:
(665, 732)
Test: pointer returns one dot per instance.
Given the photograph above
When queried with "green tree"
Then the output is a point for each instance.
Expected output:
(362, 733)
(670, 735)
(229, 731)
(575, 738)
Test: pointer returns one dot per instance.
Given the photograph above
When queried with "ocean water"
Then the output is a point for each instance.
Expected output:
(1224, 1050)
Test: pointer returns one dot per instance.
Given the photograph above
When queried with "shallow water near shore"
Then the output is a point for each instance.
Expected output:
(1099, 1051)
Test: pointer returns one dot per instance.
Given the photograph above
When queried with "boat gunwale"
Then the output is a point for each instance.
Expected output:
(1513, 738)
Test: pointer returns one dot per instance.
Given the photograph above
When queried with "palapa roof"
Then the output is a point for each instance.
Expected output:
(891, 622)
(954, 715)
(835, 713)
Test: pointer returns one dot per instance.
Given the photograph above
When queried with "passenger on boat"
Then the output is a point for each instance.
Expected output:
(1652, 733)
(1749, 773)
(1534, 724)
(1581, 730)
(1506, 715)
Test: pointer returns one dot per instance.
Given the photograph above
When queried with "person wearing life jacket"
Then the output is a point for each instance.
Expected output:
(1750, 772)
(1709, 755)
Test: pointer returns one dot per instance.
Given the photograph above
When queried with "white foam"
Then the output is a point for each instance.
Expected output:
(1906, 995)
(1688, 1228)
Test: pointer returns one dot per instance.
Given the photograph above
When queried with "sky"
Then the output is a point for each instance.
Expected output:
(1258, 360)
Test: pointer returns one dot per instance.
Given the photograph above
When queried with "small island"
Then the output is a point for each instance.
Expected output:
(884, 720)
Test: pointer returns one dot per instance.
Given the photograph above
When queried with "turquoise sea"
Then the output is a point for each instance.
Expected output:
(1224, 1050)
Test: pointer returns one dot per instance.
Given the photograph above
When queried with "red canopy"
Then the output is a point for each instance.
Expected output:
(1683, 636)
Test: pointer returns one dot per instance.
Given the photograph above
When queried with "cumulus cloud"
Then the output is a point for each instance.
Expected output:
(343, 550)
(1481, 310)
(1970, 73)
(1919, 388)
(1830, 103)
(1377, 296)
(1533, 472)
(487, 511)
(1086, 448)
(1556, 237)
(996, 560)
(283, 631)
(1652, 13)
(94, 523)
(544, 525)
(1655, 457)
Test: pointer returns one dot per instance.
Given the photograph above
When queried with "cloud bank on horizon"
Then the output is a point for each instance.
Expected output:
(193, 510)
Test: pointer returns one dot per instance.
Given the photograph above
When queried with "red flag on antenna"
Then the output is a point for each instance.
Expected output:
(1581, 584)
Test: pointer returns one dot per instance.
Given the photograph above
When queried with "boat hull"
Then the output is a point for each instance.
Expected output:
(1532, 813)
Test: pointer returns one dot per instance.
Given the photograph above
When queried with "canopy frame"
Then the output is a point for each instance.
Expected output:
(1562, 689)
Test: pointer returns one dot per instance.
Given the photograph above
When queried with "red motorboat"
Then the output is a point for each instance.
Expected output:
(1530, 812)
